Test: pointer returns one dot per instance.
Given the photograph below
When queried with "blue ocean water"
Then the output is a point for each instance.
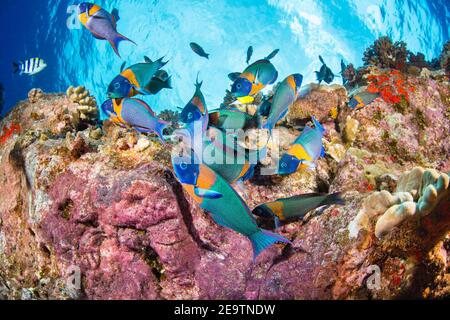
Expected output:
(301, 29)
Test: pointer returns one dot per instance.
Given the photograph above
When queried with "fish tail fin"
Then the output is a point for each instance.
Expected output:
(15, 67)
(117, 40)
(334, 198)
(115, 14)
(318, 125)
(168, 83)
(263, 239)
(207, 55)
(198, 85)
(161, 62)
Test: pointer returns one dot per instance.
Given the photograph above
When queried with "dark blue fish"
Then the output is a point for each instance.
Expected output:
(272, 55)
(199, 50)
(325, 73)
(249, 53)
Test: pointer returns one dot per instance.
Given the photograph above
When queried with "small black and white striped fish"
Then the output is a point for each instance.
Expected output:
(31, 66)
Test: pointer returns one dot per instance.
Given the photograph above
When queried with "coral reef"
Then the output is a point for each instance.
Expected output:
(102, 204)
(386, 54)
(444, 59)
(319, 102)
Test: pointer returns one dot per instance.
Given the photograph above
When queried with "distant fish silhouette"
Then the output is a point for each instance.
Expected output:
(249, 54)
(199, 50)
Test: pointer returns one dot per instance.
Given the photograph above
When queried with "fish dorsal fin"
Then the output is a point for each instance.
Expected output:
(122, 67)
(321, 59)
(234, 76)
(147, 59)
(115, 15)
(198, 85)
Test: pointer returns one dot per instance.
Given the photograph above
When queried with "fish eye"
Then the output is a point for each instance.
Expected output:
(190, 115)
(239, 86)
(183, 165)
(117, 85)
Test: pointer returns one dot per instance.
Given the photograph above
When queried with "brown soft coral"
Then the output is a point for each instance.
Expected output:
(386, 54)
(445, 58)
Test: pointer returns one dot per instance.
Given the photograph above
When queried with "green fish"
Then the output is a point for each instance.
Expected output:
(296, 207)
(215, 195)
(232, 119)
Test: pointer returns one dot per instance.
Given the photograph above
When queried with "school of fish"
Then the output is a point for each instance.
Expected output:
(209, 162)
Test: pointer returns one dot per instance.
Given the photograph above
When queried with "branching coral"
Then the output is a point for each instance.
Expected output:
(386, 54)
(349, 74)
(87, 103)
(444, 59)
(417, 194)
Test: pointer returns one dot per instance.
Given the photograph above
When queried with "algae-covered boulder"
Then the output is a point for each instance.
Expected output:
(95, 212)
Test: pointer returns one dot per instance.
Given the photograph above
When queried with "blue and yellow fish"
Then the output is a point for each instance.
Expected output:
(136, 114)
(305, 150)
(135, 79)
(232, 119)
(254, 78)
(362, 99)
(196, 112)
(226, 207)
(293, 208)
(285, 95)
(102, 24)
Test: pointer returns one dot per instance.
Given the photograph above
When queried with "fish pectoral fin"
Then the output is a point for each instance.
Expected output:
(204, 193)
(97, 17)
(322, 152)
(311, 165)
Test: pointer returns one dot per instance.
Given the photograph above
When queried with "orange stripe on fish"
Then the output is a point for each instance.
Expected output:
(360, 102)
(291, 82)
(299, 152)
(118, 110)
(84, 18)
(206, 179)
(244, 170)
(277, 209)
(198, 102)
(129, 74)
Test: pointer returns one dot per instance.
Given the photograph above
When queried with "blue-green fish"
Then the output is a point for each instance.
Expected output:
(232, 119)
(284, 97)
(195, 110)
(252, 80)
(135, 79)
(226, 207)
(296, 207)
(362, 99)
(305, 150)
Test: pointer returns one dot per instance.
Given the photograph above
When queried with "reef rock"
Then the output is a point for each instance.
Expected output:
(96, 213)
